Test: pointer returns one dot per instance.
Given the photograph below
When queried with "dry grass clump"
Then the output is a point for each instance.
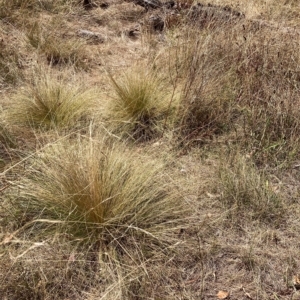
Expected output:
(50, 102)
(273, 130)
(88, 219)
(92, 216)
(15, 8)
(139, 106)
(62, 51)
(113, 15)
(56, 6)
(104, 191)
(205, 109)
(66, 52)
(17, 4)
(18, 12)
(248, 194)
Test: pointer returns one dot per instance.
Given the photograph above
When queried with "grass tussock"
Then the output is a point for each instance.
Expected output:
(139, 106)
(94, 189)
(50, 102)
(248, 194)
(93, 216)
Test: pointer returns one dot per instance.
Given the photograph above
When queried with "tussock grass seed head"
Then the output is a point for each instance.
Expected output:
(50, 102)
(139, 104)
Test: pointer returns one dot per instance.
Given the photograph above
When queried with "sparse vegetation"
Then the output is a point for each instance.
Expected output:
(148, 160)
(57, 50)
(247, 194)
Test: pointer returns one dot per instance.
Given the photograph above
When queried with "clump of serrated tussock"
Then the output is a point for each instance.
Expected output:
(105, 191)
(114, 209)
(139, 104)
(50, 102)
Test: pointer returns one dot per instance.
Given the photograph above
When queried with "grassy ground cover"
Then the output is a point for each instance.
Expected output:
(149, 153)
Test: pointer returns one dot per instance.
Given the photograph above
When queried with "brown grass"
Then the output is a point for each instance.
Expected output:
(206, 201)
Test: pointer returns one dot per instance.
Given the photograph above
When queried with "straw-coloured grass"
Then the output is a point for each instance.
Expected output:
(98, 189)
(52, 103)
(139, 105)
